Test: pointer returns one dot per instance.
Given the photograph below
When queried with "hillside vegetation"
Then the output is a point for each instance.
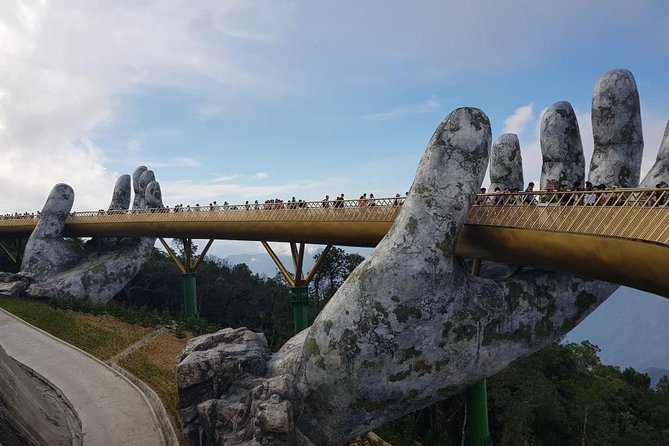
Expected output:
(562, 395)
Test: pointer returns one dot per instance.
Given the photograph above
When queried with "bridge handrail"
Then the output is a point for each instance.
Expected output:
(355, 208)
(653, 197)
(623, 213)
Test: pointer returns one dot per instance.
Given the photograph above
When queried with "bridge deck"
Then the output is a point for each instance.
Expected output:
(620, 236)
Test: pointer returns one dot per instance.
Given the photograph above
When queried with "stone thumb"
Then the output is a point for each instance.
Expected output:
(447, 180)
(45, 250)
(56, 209)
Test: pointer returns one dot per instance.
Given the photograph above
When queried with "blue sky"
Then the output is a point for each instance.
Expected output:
(237, 100)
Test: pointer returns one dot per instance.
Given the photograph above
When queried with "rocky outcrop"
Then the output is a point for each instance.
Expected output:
(13, 284)
(224, 392)
(561, 147)
(408, 328)
(32, 411)
(99, 271)
(506, 164)
(616, 128)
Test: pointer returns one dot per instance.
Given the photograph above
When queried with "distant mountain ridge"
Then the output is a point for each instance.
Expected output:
(631, 328)
(263, 264)
(655, 374)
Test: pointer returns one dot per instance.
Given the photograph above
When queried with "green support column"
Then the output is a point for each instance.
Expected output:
(300, 300)
(188, 269)
(188, 288)
(299, 285)
(478, 433)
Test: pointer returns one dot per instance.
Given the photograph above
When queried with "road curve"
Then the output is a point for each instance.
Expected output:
(112, 409)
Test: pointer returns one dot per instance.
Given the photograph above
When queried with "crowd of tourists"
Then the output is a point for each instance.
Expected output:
(562, 194)
(555, 194)
(270, 204)
(278, 203)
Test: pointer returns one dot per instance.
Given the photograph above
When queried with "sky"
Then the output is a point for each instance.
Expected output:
(236, 100)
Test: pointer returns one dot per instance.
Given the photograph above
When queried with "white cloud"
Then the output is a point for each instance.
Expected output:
(225, 179)
(260, 175)
(517, 122)
(134, 144)
(428, 106)
(65, 65)
(206, 112)
(190, 192)
(283, 249)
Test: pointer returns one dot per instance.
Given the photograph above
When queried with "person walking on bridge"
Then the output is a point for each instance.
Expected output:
(529, 197)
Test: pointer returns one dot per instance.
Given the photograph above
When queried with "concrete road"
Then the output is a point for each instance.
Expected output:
(113, 411)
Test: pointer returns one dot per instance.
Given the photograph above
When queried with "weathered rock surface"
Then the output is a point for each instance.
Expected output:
(561, 147)
(660, 170)
(506, 163)
(31, 412)
(13, 284)
(616, 127)
(410, 326)
(61, 268)
(224, 392)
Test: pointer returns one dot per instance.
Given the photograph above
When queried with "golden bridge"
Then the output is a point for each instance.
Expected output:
(620, 236)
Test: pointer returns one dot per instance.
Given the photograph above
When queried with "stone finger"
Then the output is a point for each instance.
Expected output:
(144, 179)
(153, 195)
(506, 163)
(616, 128)
(660, 170)
(121, 195)
(139, 191)
(561, 147)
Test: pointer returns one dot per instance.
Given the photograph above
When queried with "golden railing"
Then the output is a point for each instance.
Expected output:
(375, 209)
(619, 236)
(355, 222)
(637, 214)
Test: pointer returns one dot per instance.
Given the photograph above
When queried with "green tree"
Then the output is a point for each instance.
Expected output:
(335, 269)
(178, 247)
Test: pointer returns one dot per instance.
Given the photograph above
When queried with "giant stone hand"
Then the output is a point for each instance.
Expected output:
(411, 325)
(99, 270)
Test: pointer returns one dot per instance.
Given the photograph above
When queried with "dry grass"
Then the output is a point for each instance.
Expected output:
(155, 364)
(102, 336)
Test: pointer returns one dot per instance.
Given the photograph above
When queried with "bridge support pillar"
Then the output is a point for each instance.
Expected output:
(189, 291)
(14, 249)
(299, 285)
(478, 433)
(300, 301)
(188, 269)
(477, 429)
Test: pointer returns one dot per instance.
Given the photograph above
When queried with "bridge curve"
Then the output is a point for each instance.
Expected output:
(618, 236)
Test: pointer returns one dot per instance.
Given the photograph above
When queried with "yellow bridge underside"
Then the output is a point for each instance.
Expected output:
(624, 245)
